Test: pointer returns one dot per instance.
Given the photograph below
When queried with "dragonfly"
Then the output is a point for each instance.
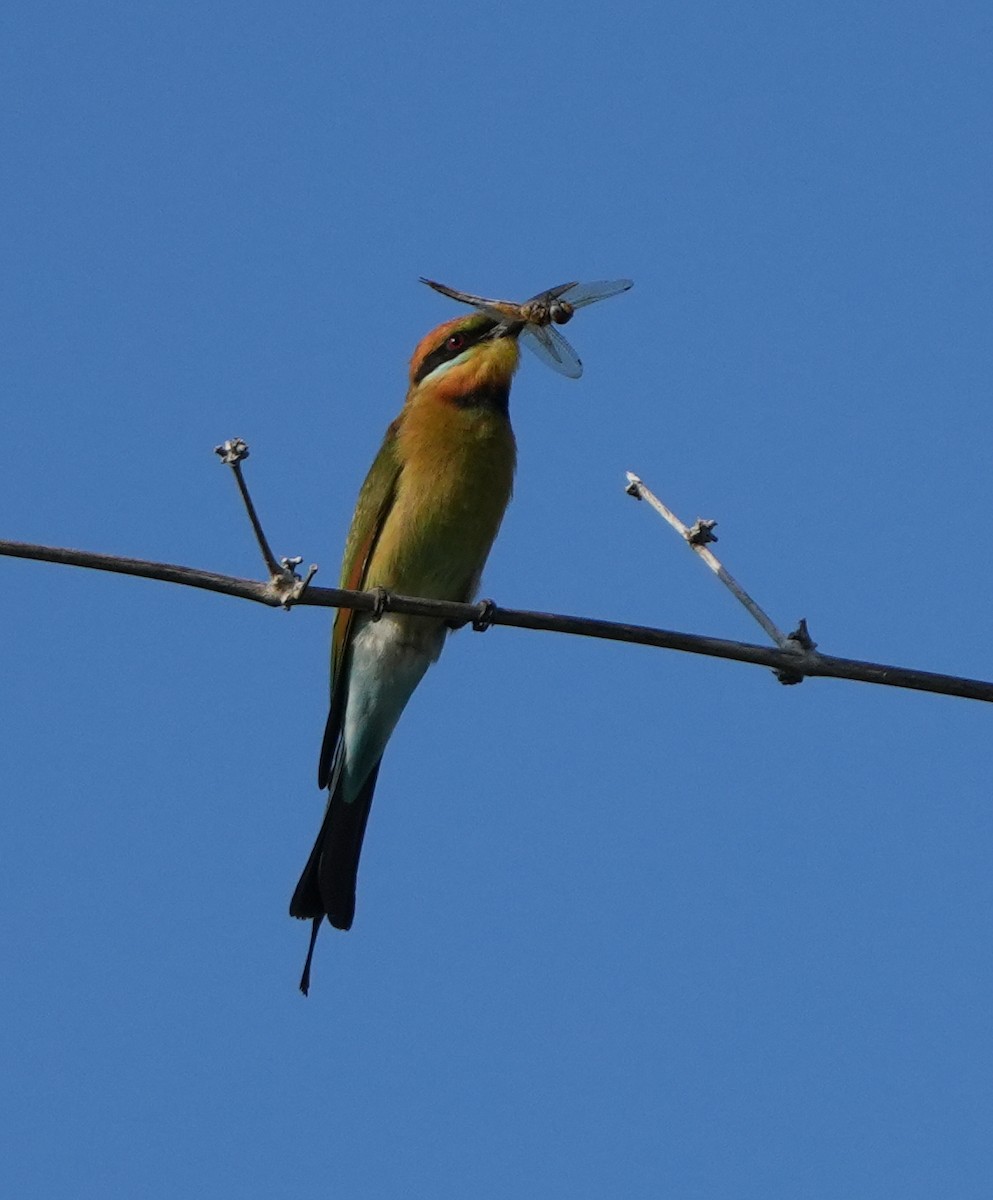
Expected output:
(541, 314)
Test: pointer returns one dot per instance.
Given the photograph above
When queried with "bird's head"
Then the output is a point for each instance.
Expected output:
(465, 357)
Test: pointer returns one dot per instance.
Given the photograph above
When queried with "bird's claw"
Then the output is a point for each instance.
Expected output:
(484, 617)
(381, 598)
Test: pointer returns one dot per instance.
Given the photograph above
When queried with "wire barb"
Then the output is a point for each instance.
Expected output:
(232, 451)
(284, 582)
(304, 583)
(286, 585)
(701, 533)
(697, 536)
(801, 635)
(802, 644)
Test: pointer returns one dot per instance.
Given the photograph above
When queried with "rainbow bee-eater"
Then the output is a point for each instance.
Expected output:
(424, 523)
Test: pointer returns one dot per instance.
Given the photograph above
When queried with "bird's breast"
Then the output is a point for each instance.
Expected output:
(455, 482)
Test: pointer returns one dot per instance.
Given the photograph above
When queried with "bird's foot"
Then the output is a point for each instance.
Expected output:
(484, 617)
(381, 598)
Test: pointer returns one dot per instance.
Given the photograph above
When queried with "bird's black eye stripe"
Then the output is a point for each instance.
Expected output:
(454, 345)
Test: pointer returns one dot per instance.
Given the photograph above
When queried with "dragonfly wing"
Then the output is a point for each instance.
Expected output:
(551, 347)
(499, 309)
(455, 294)
(551, 294)
(581, 294)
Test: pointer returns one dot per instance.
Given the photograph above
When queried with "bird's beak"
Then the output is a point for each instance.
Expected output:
(508, 329)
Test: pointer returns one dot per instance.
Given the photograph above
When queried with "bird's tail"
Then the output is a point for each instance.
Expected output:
(327, 885)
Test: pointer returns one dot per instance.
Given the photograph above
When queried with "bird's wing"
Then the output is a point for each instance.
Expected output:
(371, 511)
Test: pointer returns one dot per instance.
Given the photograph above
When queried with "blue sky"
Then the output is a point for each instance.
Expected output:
(630, 923)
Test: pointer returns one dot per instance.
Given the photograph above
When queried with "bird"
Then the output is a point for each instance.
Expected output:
(426, 518)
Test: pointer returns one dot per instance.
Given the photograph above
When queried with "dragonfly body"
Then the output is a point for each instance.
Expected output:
(536, 316)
